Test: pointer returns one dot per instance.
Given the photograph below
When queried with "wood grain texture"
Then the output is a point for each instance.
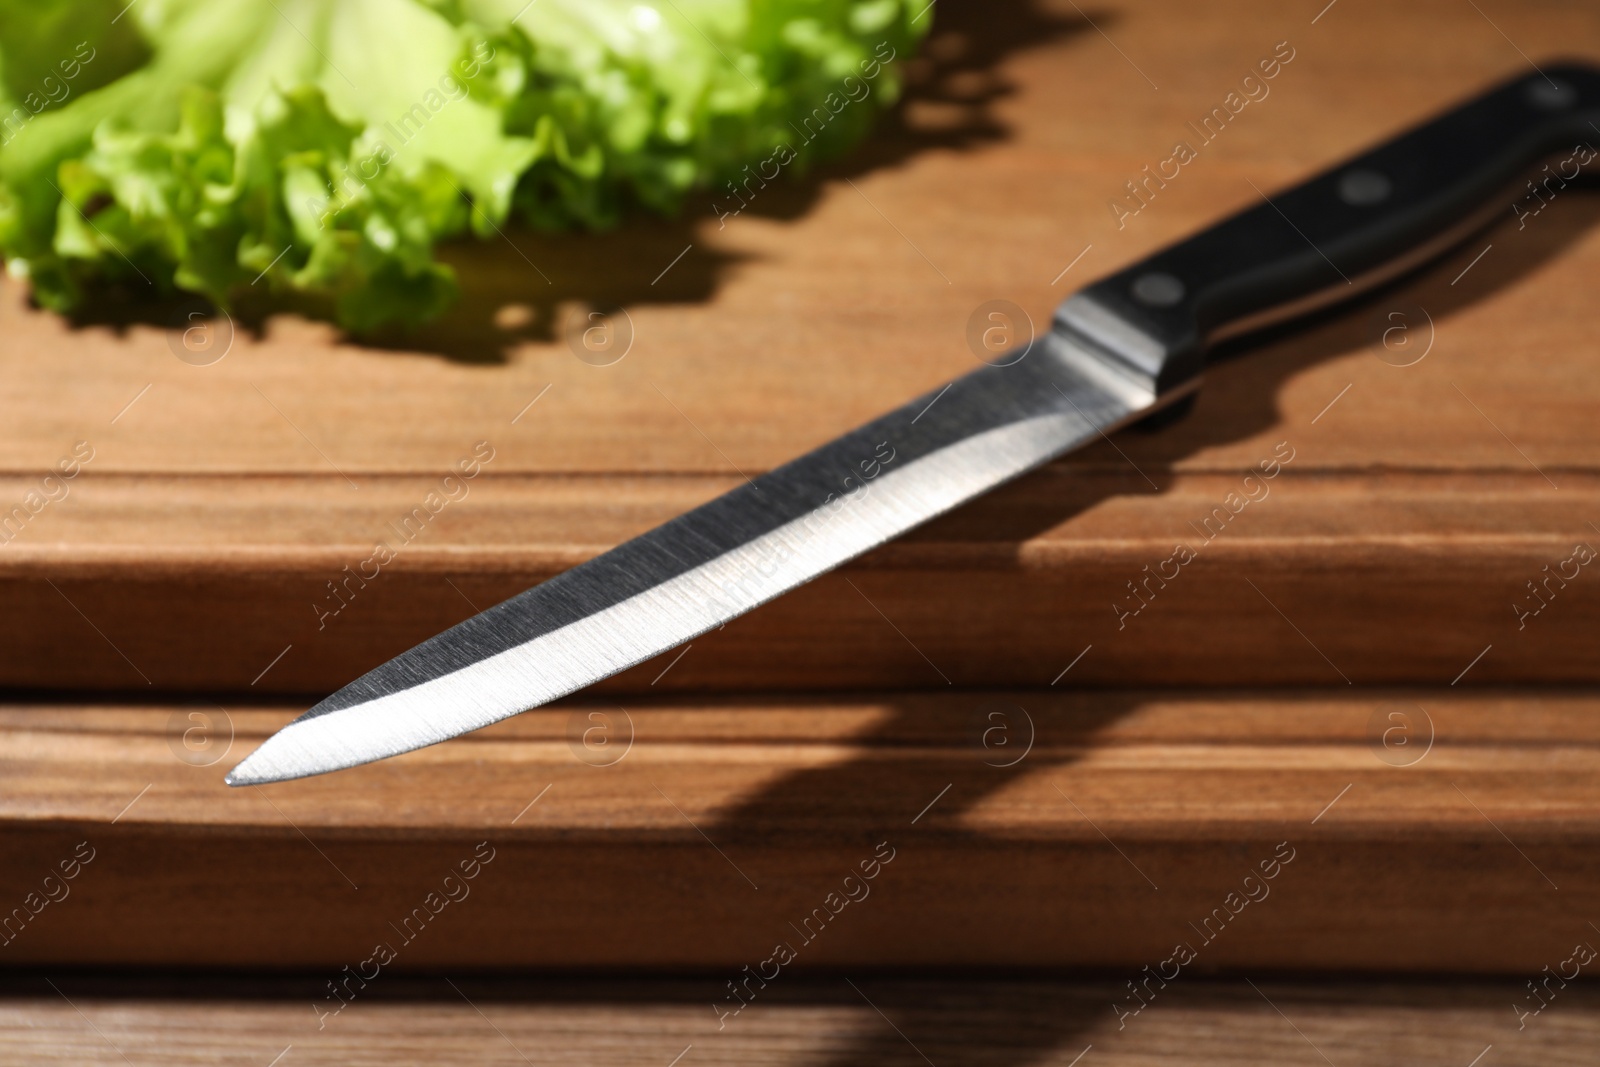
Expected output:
(196, 548)
(1025, 829)
(843, 1021)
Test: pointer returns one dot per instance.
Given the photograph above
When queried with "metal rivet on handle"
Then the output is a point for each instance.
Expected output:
(1157, 289)
(1550, 94)
(1362, 187)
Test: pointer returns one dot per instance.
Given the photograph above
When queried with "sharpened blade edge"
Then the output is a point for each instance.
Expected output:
(1072, 401)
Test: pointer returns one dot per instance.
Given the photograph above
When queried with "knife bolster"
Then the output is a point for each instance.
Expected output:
(1126, 347)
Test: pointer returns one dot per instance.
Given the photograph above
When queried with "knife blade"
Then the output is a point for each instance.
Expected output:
(1116, 352)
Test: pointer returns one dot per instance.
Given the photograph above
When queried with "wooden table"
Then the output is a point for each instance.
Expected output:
(1266, 697)
(838, 1021)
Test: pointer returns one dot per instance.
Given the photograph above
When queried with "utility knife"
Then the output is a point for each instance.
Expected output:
(1116, 352)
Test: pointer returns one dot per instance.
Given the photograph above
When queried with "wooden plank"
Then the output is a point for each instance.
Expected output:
(1004, 1022)
(1374, 578)
(1024, 828)
(197, 544)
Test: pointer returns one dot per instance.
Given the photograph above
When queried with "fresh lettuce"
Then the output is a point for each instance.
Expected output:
(320, 148)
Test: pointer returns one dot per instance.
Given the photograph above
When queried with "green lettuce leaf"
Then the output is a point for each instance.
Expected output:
(322, 147)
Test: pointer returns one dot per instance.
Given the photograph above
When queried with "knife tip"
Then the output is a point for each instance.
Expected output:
(262, 767)
(242, 775)
(301, 749)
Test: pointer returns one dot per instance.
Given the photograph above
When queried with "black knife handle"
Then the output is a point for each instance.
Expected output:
(1354, 225)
